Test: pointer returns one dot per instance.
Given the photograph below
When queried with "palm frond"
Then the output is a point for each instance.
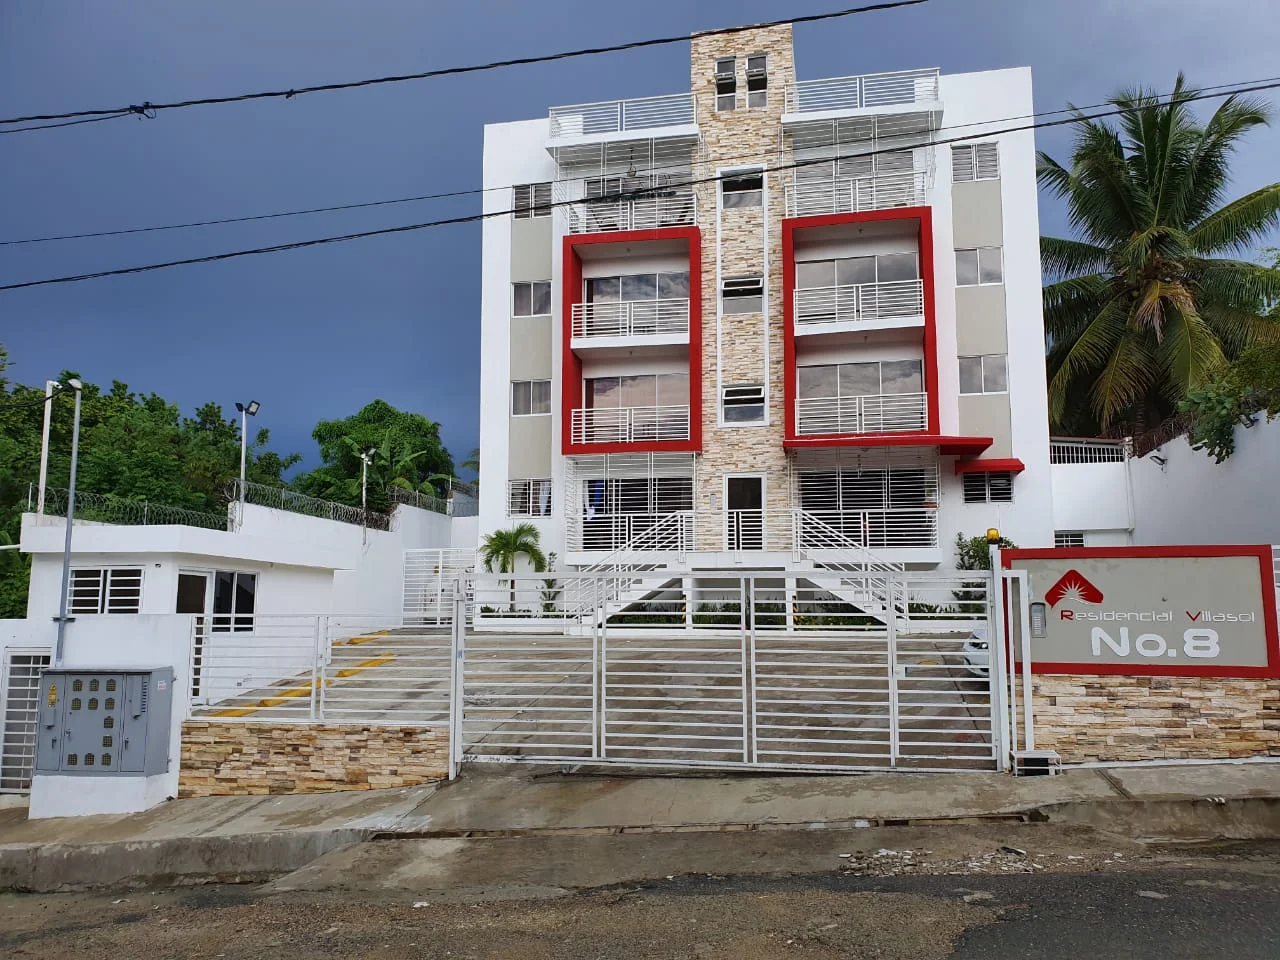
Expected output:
(1237, 284)
(1067, 258)
(1240, 224)
(1090, 349)
(1125, 377)
(1190, 354)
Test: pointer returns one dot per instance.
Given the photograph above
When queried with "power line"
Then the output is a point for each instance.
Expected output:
(480, 190)
(69, 123)
(149, 109)
(33, 403)
(1077, 117)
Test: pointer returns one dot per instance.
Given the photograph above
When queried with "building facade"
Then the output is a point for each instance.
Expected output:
(767, 322)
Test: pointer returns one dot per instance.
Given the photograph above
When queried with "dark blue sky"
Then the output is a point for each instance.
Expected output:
(316, 334)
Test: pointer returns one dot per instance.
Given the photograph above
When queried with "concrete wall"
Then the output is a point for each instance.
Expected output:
(515, 153)
(221, 759)
(115, 642)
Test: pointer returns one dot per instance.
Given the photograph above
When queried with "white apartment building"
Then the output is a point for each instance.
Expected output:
(767, 322)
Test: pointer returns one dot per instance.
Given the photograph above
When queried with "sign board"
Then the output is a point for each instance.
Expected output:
(1157, 611)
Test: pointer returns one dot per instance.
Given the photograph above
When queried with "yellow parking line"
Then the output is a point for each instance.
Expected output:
(293, 693)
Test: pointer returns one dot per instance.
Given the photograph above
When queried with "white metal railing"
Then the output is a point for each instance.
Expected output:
(807, 198)
(1073, 450)
(871, 90)
(744, 530)
(618, 116)
(313, 669)
(628, 424)
(607, 215)
(889, 528)
(631, 318)
(427, 580)
(627, 533)
(625, 568)
(892, 413)
(811, 532)
(854, 302)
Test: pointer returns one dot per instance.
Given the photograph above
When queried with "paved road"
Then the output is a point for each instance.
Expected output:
(1225, 906)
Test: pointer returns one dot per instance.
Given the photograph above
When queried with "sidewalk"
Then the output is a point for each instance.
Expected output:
(253, 839)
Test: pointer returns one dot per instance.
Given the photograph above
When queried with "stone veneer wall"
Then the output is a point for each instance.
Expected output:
(1124, 718)
(733, 347)
(221, 759)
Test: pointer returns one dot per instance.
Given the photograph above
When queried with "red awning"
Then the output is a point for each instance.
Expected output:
(1011, 465)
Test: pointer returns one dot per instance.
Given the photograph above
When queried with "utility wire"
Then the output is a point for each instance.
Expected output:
(69, 123)
(482, 190)
(612, 198)
(58, 391)
(149, 109)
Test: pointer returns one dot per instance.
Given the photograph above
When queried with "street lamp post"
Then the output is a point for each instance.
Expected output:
(78, 387)
(365, 457)
(246, 411)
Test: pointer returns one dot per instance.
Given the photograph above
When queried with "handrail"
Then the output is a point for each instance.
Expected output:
(628, 424)
(617, 116)
(673, 533)
(888, 413)
(852, 302)
(631, 318)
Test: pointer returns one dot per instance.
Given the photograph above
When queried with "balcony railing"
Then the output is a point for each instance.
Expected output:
(631, 318)
(859, 301)
(809, 198)
(619, 116)
(629, 424)
(671, 532)
(644, 213)
(894, 413)
(892, 528)
(1073, 450)
(872, 90)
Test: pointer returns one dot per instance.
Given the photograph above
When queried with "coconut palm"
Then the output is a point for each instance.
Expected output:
(504, 548)
(1152, 298)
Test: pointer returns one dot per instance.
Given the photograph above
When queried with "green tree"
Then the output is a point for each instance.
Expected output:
(472, 465)
(504, 548)
(1151, 301)
(407, 453)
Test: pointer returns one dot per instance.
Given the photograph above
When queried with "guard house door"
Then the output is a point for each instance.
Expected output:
(744, 513)
(193, 598)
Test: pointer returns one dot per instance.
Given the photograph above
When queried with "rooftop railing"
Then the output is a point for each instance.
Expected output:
(619, 116)
(1082, 450)
(871, 90)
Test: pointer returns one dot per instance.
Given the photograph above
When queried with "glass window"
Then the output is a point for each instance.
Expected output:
(673, 389)
(814, 382)
(744, 295)
(757, 81)
(726, 84)
(988, 374)
(673, 286)
(603, 392)
(743, 403)
(116, 590)
(530, 397)
(988, 487)
(531, 299)
(639, 391)
(891, 267)
(854, 270)
(234, 601)
(643, 286)
(745, 190)
(817, 273)
(970, 374)
(995, 375)
(901, 376)
(860, 379)
(966, 268)
(1068, 539)
(990, 267)
(603, 289)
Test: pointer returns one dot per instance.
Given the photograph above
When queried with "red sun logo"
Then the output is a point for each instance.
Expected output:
(1073, 586)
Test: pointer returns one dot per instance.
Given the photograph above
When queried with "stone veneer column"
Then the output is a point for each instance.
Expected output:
(733, 346)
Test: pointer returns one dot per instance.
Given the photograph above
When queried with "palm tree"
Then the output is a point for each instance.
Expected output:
(1152, 300)
(472, 463)
(504, 548)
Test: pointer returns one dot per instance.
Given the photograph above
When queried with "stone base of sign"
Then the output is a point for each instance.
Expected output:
(1124, 718)
(223, 759)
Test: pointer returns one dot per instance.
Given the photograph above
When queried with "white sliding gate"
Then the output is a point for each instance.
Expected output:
(836, 671)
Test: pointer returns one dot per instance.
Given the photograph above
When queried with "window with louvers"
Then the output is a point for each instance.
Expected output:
(994, 487)
(531, 200)
(116, 590)
(975, 161)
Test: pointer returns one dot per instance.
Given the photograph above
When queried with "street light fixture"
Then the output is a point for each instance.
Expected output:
(246, 410)
(71, 384)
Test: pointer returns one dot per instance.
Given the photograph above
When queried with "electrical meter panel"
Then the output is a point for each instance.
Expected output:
(104, 722)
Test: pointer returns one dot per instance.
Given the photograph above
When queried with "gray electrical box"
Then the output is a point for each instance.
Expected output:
(105, 722)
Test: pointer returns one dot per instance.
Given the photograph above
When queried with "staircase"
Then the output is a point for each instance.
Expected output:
(869, 584)
(629, 573)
